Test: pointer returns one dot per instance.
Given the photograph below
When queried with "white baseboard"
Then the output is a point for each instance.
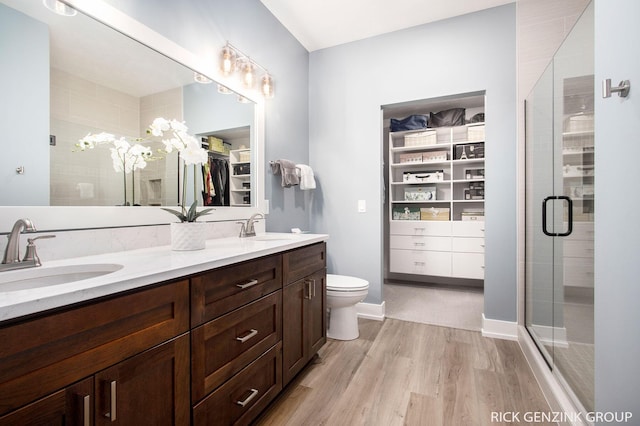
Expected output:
(371, 311)
(497, 329)
(556, 396)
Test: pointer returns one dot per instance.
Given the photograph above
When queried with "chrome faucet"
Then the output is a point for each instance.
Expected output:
(11, 258)
(248, 228)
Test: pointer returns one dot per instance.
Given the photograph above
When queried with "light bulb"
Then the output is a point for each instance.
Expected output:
(267, 86)
(248, 75)
(228, 61)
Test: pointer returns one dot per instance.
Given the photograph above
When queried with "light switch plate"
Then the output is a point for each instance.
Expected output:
(362, 206)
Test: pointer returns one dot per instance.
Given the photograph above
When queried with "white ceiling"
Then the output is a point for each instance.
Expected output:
(324, 23)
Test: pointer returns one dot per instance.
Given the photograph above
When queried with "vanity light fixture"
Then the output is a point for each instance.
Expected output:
(233, 59)
(202, 79)
(60, 8)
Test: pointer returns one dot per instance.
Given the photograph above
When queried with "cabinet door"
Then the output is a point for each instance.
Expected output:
(304, 328)
(72, 406)
(151, 388)
(293, 342)
(316, 325)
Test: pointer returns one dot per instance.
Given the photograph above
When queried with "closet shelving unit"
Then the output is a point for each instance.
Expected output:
(240, 167)
(239, 158)
(436, 199)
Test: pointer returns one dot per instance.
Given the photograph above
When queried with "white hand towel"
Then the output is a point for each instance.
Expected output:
(307, 180)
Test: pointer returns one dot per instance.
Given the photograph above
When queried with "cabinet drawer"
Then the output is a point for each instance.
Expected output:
(414, 242)
(217, 292)
(222, 347)
(45, 354)
(420, 262)
(437, 229)
(243, 397)
(468, 265)
(304, 261)
(467, 229)
(468, 245)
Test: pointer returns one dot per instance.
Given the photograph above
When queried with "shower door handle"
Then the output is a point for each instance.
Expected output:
(569, 216)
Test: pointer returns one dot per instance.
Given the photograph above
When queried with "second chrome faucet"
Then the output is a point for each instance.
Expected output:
(248, 228)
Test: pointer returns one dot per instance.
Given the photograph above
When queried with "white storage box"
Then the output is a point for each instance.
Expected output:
(419, 139)
(420, 193)
(475, 133)
(426, 176)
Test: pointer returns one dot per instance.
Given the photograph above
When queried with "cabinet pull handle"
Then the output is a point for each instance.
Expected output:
(86, 410)
(308, 296)
(418, 244)
(248, 336)
(248, 399)
(314, 287)
(248, 284)
(112, 409)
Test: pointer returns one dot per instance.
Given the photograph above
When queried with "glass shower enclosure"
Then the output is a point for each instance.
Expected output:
(559, 249)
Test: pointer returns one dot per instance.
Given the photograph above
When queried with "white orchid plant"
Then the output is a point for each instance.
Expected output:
(191, 153)
(126, 157)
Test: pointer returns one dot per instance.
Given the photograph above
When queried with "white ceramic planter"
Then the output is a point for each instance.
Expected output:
(188, 236)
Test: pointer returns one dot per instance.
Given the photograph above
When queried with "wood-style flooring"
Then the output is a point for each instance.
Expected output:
(405, 373)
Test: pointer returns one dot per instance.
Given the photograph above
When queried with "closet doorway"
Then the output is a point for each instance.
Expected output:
(434, 152)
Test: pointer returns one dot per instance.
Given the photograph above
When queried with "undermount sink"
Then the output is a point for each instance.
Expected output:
(280, 237)
(31, 278)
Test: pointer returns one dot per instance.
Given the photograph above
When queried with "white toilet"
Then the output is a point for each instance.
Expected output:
(343, 293)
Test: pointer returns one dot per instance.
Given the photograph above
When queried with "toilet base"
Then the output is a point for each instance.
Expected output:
(343, 323)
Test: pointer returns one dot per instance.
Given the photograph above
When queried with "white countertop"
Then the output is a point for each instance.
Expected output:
(143, 267)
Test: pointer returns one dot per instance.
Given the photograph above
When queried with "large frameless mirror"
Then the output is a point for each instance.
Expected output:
(68, 77)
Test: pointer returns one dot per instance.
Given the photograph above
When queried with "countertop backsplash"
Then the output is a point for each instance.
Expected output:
(78, 243)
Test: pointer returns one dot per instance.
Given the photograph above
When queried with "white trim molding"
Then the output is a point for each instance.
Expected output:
(371, 311)
(497, 329)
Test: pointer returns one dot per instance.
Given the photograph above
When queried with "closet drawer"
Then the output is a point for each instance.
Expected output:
(468, 265)
(468, 245)
(420, 262)
(578, 272)
(219, 291)
(243, 397)
(578, 248)
(467, 229)
(581, 231)
(413, 242)
(304, 261)
(425, 227)
(222, 347)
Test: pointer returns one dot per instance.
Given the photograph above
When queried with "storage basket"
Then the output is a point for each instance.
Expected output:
(475, 133)
(421, 138)
(434, 213)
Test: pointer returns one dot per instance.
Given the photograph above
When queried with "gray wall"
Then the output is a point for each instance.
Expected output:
(24, 40)
(617, 289)
(203, 27)
(349, 83)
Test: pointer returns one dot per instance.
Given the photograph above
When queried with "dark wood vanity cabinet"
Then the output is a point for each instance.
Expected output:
(304, 307)
(216, 348)
(117, 344)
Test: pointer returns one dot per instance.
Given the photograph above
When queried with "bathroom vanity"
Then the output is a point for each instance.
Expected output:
(211, 338)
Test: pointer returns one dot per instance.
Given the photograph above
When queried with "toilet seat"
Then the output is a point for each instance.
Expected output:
(343, 283)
